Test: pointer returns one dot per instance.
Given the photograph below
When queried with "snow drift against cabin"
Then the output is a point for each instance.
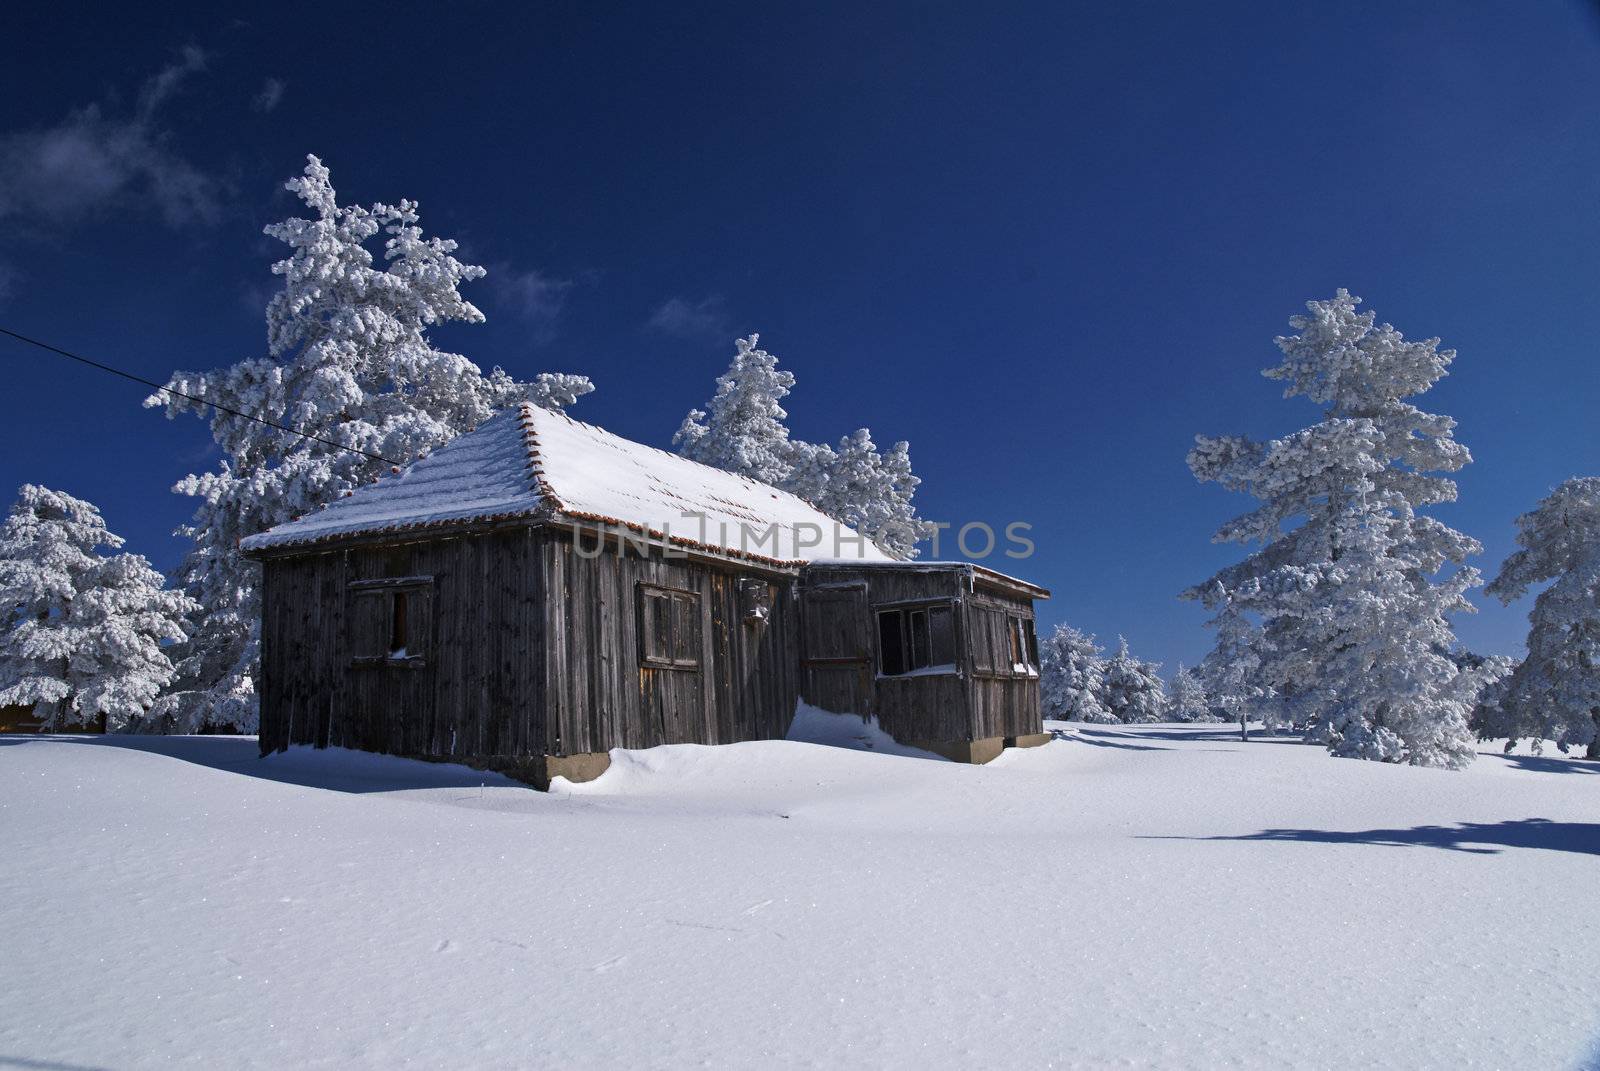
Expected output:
(533, 462)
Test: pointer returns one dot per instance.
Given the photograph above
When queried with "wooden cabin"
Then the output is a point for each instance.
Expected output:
(540, 591)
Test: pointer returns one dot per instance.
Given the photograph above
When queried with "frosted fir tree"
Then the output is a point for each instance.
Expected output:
(1232, 673)
(1072, 676)
(867, 490)
(1489, 675)
(1189, 699)
(1364, 471)
(351, 365)
(82, 639)
(1554, 694)
(742, 428)
(1390, 688)
(1134, 692)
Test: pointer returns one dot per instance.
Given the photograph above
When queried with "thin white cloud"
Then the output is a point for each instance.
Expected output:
(165, 82)
(532, 295)
(689, 319)
(95, 158)
(269, 97)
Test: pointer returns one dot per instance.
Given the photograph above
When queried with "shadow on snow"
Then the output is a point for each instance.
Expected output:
(1478, 838)
(334, 769)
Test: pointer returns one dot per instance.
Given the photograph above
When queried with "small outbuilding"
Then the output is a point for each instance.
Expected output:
(540, 591)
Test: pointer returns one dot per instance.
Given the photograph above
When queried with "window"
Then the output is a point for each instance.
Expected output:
(1003, 644)
(916, 637)
(390, 621)
(669, 628)
(1024, 646)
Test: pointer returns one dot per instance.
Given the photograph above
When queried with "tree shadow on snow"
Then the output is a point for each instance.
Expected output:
(1552, 764)
(27, 1064)
(1126, 737)
(334, 769)
(1116, 740)
(1477, 838)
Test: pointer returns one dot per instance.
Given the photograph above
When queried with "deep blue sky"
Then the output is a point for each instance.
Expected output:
(1047, 244)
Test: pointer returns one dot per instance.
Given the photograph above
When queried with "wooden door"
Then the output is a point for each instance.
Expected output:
(836, 648)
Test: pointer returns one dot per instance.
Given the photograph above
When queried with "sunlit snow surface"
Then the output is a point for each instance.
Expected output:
(1131, 896)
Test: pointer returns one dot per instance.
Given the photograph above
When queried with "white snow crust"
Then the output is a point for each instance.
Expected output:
(1130, 896)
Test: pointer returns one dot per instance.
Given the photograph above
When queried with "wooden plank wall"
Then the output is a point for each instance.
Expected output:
(533, 649)
(1002, 704)
(931, 707)
(600, 696)
(836, 647)
(479, 690)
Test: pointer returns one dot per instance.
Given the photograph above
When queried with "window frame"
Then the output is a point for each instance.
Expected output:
(407, 621)
(1022, 640)
(914, 628)
(1004, 630)
(683, 607)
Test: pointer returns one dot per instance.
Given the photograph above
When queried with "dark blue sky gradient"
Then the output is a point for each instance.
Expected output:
(1046, 244)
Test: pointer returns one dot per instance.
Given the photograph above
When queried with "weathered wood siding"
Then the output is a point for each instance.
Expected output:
(519, 647)
(836, 646)
(842, 658)
(984, 699)
(475, 691)
(1001, 702)
(602, 695)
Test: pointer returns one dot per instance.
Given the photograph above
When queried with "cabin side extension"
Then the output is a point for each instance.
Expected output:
(943, 654)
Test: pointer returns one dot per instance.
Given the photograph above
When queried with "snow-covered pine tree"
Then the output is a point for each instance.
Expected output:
(742, 430)
(81, 641)
(349, 361)
(1554, 694)
(1134, 692)
(1189, 699)
(1490, 675)
(1231, 673)
(1390, 688)
(867, 490)
(1363, 471)
(1071, 676)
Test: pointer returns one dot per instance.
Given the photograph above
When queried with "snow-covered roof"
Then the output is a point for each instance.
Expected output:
(539, 464)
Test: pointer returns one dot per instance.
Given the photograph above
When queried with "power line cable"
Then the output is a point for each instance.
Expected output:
(198, 401)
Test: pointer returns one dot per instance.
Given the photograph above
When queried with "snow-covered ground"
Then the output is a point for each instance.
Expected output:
(1131, 896)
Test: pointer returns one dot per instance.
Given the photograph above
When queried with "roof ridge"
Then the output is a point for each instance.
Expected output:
(526, 406)
(537, 479)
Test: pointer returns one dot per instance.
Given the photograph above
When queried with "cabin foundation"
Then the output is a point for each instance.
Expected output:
(575, 768)
(1031, 740)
